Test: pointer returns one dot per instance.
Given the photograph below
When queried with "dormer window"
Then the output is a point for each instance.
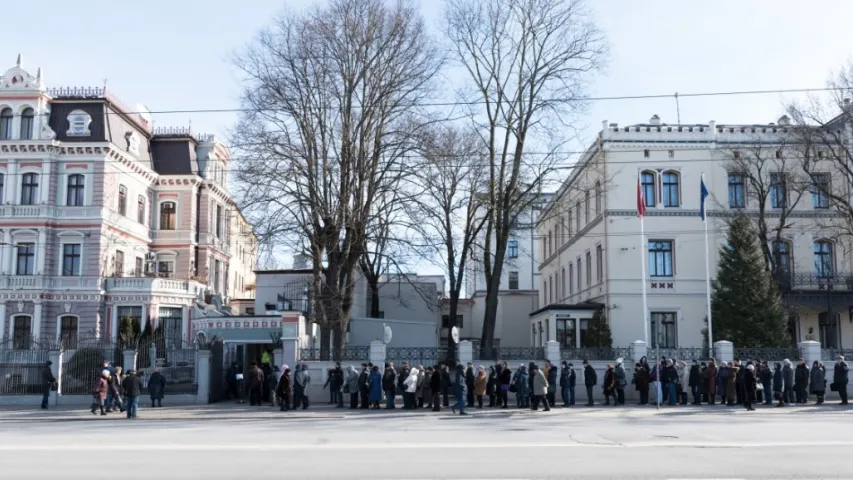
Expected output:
(78, 124)
(132, 142)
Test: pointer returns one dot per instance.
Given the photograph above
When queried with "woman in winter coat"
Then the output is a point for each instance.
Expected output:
(801, 382)
(540, 389)
(609, 385)
(411, 387)
(460, 387)
(156, 388)
(731, 386)
(749, 387)
(818, 381)
(419, 394)
(375, 390)
(99, 392)
(694, 381)
(504, 380)
(351, 385)
(778, 384)
(788, 376)
(711, 381)
(522, 393)
(683, 381)
(426, 391)
(530, 382)
(491, 386)
(481, 386)
(766, 378)
(641, 380)
(284, 390)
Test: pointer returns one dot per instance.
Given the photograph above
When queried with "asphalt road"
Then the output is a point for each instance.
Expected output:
(632, 444)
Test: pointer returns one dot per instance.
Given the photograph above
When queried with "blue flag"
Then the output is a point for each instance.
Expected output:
(703, 195)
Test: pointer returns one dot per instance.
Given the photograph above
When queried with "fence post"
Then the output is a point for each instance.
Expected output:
(810, 352)
(640, 350)
(55, 357)
(552, 352)
(202, 372)
(128, 360)
(724, 351)
(377, 353)
(466, 352)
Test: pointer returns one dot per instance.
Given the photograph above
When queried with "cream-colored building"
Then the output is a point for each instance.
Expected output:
(244, 254)
(590, 235)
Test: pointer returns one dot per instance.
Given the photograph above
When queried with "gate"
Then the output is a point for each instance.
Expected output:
(83, 364)
(21, 364)
(217, 373)
(174, 357)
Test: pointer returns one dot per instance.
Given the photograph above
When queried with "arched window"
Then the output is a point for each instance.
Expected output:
(30, 189)
(671, 194)
(6, 124)
(76, 190)
(140, 210)
(27, 117)
(647, 181)
(68, 331)
(823, 261)
(167, 216)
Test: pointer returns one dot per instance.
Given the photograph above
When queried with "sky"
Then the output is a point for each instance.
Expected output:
(174, 55)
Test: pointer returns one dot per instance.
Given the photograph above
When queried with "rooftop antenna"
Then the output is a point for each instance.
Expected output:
(18, 63)
(677, 108)
(105, 85)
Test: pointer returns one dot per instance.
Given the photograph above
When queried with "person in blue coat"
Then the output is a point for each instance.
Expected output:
(461, 389)
(375, 387)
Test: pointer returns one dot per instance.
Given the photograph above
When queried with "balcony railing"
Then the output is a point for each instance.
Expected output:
(816, 283)
(147, 284)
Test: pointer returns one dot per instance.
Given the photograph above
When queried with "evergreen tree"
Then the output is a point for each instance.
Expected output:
(598, 332)
(746, 306)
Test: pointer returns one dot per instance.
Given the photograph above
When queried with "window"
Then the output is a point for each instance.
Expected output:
(166, 269)
(22, 332)
(670, 189)
(550, 243)
(569, 223)
(30, 189)
(118, 266)
(647, 182)
(70, 259)
(251, 311)
(664, 333)
(586, 206)
(512, 249)
(571, 278)
(782, 257)
(122, 200)
(588, 269)
(828, 329)
(2, 183)
(597, 198)
(445, 321)
(533, 334)
(167, 216)
(566, 335)
(27, 124)
(584, 328)
(217, 268)
(219, 222)
(660, 258)
(172, 323)
(820, 190)
(599, 264)
(68, 332)
(140, 210)
(578, 217)
(823, 263)
(778, 153)
(139, 268)
(550, 290)
(131, 314)
(778, 190)
(513, 280)
(645, 154)
(78, 124)
(563, 285)
(557, 298)
(737, 191)
(6, 124)
(76, 189)
(672, 154)
(580, 280)
(26, 258)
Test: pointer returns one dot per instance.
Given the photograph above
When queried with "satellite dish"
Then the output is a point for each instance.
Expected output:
(387, 337)
(454, 334)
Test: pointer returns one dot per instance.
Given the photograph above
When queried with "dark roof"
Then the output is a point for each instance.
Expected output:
(567, 306)
(174, 155)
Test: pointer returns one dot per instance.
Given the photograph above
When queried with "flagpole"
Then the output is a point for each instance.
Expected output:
(707, 276)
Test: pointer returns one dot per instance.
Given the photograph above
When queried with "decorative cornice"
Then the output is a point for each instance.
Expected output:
(679, 212)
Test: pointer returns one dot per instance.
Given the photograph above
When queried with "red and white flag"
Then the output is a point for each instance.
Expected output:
(641, 202)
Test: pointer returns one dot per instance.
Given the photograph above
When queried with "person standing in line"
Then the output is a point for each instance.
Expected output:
(749, 387)
(779, 385)
(47, 383)
(766, 377)
(683, 380)
(99, 392)
(564, 383)
(694, 381)
(376, 383)
(460, 389)
(419, 394)
(505, 381)
(552, 375)
(841, 371)
(426, 391)
(352, 387)
(609, 385)
(435, 389)
(818, 381)
(410, 388)
(620, 381)
(492, 386)
(521, 382)
(641, 381)
(731, 384)
(284, 390)
(255, 385)
(469, 384)
(590, 379)
(301, 380)
(671, 378)
(446, 382)
(801, 382)
(788, 378)
(389, 385)
(540, 390)
(114, 396)
(711, 381)
(132, 387)
(364, 386)
(481, 384)
(739, 369)
(156, 388)
(401, 378)
(530, 377)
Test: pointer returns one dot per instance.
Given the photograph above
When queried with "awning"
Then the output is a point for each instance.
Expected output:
(244, 335)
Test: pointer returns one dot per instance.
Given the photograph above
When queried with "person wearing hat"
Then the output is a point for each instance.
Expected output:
(132, 386)
(840, 378)
(47, 381)
(156, 388)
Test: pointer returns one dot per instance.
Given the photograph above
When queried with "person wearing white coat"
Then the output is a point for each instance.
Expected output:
(411, 385)
(683, 380)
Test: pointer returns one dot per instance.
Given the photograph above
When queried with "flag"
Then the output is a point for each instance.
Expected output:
(641, 202)
(703, 192)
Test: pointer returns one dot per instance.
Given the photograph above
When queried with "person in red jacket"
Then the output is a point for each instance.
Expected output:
(99, 392)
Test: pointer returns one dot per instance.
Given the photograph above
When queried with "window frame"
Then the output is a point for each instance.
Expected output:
(512, 248)
(510, 280)
(598, 197)
(170, 221)
(28, 116)
(75, 190)
(741, 186)
(118, 263)
(820, 196)
(141, 207)
(669, 320)
(824, 258)
(6, 123)
(122, 200)
(68, 342)
(30, 188)
(648, 184)
(667, 187)
(778, 190)
(170, 273)
(26, 341)
(29, 258)
(666, 255)
(599, 263)
(78, 255)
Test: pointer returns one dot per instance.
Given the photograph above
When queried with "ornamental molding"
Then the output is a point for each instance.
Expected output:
(238, 323)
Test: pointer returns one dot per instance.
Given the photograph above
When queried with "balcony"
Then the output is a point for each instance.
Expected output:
(817, 291)
(173, 236)
(41, 282)
(214, 241)
(150, 285)
(45, 211)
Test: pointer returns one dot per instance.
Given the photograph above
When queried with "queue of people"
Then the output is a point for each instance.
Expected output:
(113, 389)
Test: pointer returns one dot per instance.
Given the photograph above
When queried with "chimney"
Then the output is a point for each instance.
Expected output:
(655, 120)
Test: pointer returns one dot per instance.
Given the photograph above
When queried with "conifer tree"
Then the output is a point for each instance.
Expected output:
(598, 332)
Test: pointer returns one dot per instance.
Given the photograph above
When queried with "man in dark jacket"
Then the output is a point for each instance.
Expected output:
(505, 377)
(47, 383)
(779, 385)
(446, 382)
(435, 388)
(694, 380)
(156, 388)
(335, 383)
(553, 375)
(255, 385)
(590, 379)
(469, 383)
(801, 382)
(840, 379)
(461, 387)
(739, 389)
(564, 384)
(766, 378)
(364, 385)
(788, 378)
(389, 384)
(132, 386)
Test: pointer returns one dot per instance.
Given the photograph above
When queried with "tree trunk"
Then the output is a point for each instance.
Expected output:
(340, 340)
(454, 307)
(325, 341)
(373, 288)
(490, 317)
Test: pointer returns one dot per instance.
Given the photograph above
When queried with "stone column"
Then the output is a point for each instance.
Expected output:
(278, 357)
(810, 351)
(115, 324)
(466, 352)
(552, 352)
(37, 319)
(202, 372)
(289, 352)
(44, 183)
(2, 321)
(724, 351)
(640, 350)
(8, 252)
(128, 360)
(12, 183)
(377, 353)
(55, 358)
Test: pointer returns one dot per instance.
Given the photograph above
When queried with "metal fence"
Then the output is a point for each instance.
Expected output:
(702, 354)
(174, 358)
(596, 353)
(426, 356)
(20, 369)
(831, 354)
(349, 353)
(82, 365)
(509, 353)
(791, 353)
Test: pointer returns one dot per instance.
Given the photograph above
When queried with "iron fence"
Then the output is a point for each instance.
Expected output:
(687, 354)
(596, 353)
(831, 354)
(509, 353)
(82, 365)
(791, 353)
(346, 354)
(21, 368)
(426, 356)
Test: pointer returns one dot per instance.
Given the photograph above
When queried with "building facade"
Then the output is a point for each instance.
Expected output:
(104, 217)
(590, 234)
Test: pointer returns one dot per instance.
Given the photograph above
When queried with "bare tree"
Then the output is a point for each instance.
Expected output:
(445, 213)
(329, 97)
(382, 246)
(527, 63)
